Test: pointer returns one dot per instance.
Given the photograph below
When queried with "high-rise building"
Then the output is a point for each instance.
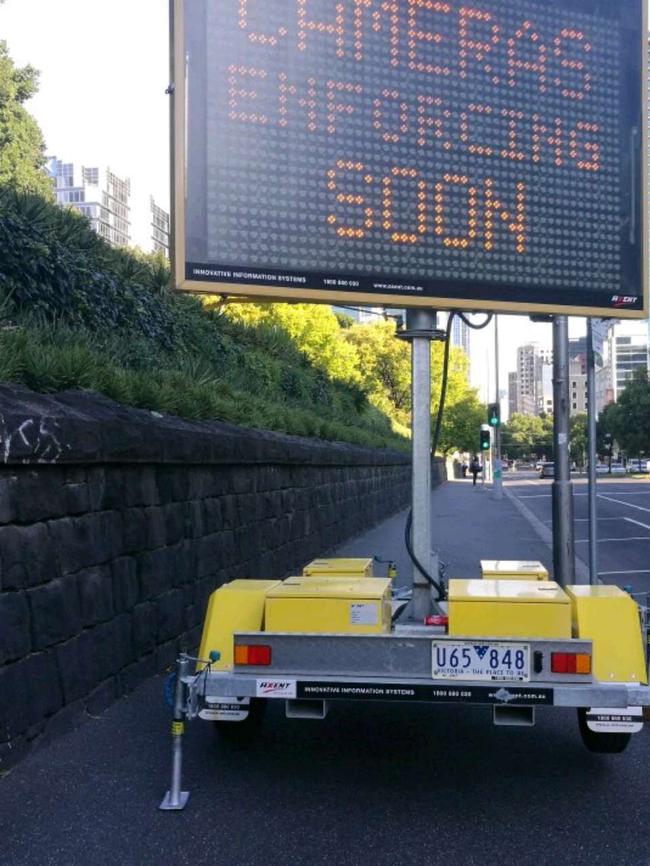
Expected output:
(460, 334)
(625, 354)
(577, 387)
(512, 394)
(97, 193)
(150, 224)
(530, 378)
(117, 213)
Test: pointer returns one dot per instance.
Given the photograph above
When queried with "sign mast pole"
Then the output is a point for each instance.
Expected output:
(563, 534)
(591, 410)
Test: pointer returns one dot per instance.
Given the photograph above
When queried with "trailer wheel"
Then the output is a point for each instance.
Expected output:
(603, 744)
(242, 733)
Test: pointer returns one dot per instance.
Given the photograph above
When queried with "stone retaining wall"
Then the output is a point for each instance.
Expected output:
(117, 524)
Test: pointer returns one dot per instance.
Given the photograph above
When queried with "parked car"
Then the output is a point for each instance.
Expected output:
(618, 469)
(602, 469)
(637, 466)
(547, 470)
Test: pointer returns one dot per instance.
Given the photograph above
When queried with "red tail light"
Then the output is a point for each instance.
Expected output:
(570, 663)
(253, 654)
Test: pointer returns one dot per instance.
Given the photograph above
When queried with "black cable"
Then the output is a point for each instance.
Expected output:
(472, 325)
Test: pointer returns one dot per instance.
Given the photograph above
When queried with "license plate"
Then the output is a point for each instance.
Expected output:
(495, 661)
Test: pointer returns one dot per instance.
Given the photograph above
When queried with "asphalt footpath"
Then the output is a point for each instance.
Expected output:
(371, 785)
(468, 525)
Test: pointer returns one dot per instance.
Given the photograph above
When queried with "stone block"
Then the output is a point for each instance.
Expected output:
(8, 496)
(31, 691)
(112, 647)
(101, 697)
(209, 554)
(170, 614)
(41, 494)
(134, 530)
(155, 570)
(145, 628)
(174, 519)
(55, 611)
(172, 483)
(74, 662)
(96, 480)
(77, 497)
(212, 515)
(126, 589)
(128, 487)
(92, 539)
(135, 674)
(15, 639)
(185, 563)
(194, 520)
(229, 514)
(27, 556)
(166, 656)
(156, 530)
(96, 594)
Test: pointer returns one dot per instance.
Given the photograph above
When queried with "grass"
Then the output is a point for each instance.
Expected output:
(51, 357)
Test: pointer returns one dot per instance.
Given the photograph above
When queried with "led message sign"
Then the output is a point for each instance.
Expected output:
(485, 154)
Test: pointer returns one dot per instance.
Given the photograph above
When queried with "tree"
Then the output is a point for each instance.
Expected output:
(384, 367)
(461, 425)
(313, 328)
(628, 421)
(528, 436)
(578, 438)
(22, 149)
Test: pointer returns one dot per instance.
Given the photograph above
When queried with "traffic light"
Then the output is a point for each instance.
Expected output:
(494, 415)
(485, 440)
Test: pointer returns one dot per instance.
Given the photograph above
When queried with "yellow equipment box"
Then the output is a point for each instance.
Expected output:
(512, 569)
(339, 568)
(610, 619)
(508, 608)
(236, 606)
(355, 606)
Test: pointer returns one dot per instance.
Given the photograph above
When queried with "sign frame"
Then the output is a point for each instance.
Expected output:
(263, 293)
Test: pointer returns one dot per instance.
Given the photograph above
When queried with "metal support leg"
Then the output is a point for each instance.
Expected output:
(175, 799)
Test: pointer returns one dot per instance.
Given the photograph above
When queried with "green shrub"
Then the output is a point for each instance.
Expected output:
(77, 314)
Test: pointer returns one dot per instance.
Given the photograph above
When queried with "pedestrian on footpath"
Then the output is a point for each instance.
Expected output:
(475, 468)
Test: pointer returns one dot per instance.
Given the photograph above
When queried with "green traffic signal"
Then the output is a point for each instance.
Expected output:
(494, 415)
(485, 440)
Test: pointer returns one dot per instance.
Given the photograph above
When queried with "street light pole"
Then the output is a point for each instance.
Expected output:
(563, 534)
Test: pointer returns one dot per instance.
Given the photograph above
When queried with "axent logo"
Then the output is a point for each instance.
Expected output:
(621, 301)
(276, 688)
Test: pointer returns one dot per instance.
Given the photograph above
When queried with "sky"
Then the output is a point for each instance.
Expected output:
(104, 70)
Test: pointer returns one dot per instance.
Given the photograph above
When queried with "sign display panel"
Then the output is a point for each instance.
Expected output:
(486, 155)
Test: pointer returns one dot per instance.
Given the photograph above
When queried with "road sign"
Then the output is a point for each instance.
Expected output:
(413, 152)
(600, 332)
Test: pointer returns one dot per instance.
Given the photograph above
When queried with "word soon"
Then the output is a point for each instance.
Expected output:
(432, 205)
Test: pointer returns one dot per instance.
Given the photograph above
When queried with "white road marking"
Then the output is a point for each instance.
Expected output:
(622, 502)
(608, 540)
(637, 523)
(638, 571)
